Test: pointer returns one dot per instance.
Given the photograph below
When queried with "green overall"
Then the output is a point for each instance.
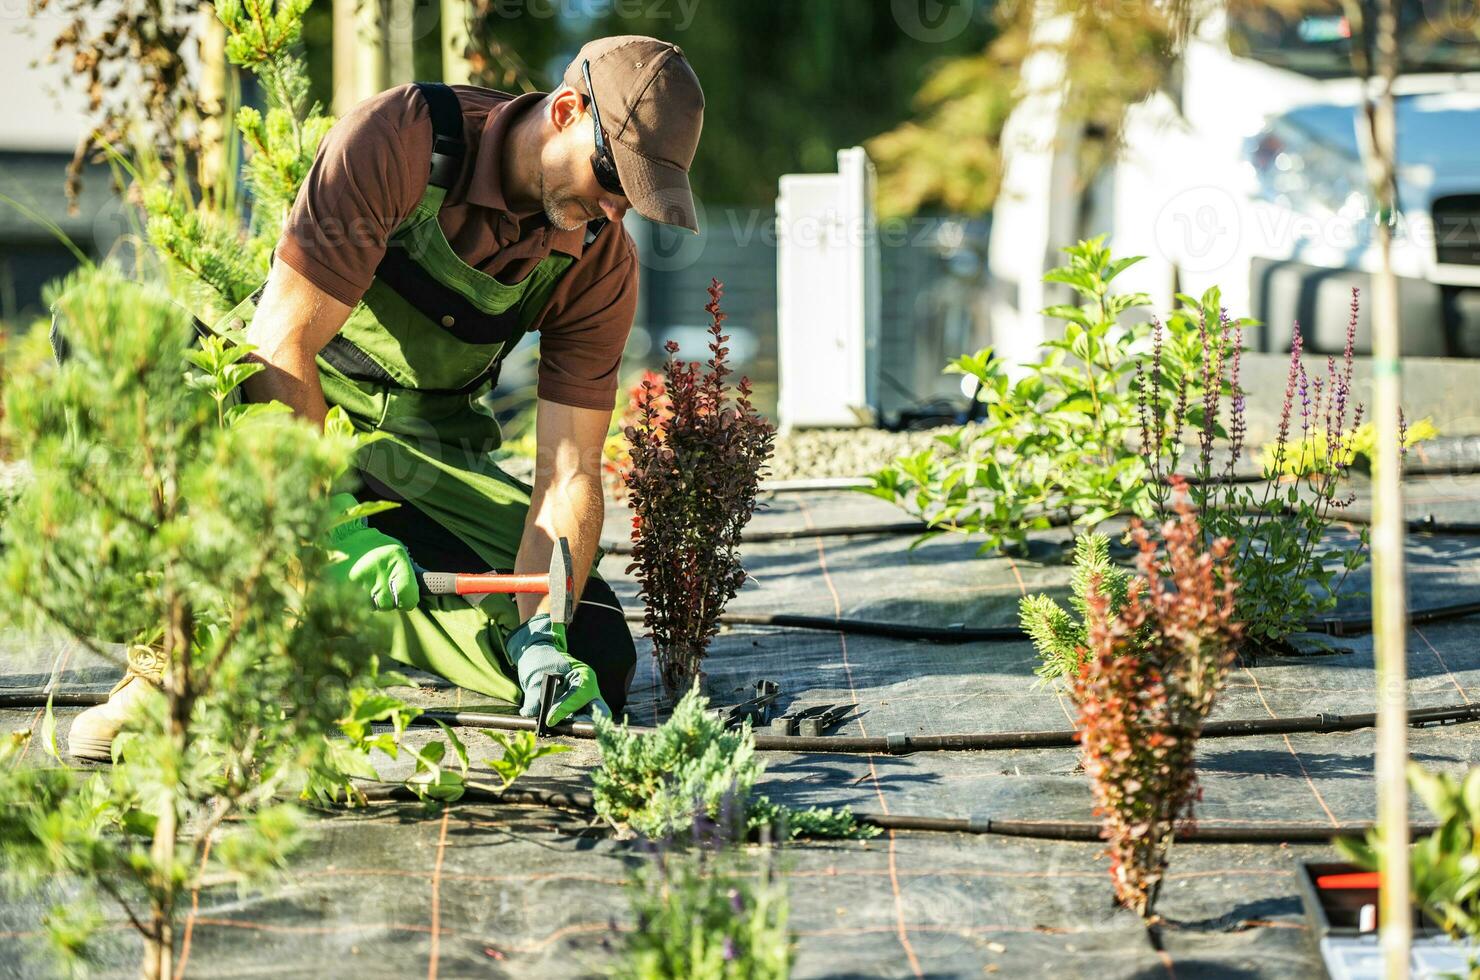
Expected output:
(417, 351)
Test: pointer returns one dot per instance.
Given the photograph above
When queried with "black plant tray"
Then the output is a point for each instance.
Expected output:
(1345, 951)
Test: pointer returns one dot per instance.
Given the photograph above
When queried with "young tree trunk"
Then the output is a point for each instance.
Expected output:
(159, 947)
(1378, 35)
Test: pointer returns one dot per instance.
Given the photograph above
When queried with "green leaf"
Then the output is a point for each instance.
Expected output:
(1120, 265)
(458, 748)
(251, 412)
(430, 755)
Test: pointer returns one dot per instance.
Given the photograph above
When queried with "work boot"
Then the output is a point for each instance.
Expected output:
(93, 731)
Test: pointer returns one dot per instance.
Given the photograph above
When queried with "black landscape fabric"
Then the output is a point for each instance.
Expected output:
(494, 890)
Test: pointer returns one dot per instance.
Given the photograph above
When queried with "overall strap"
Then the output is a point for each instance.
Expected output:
(448, 147)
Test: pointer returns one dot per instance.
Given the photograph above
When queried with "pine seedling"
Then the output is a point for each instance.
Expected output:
(148, 520)
(1061, 638)
(219, 259)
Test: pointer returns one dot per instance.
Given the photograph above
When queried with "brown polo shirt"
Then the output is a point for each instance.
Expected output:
(369, 175)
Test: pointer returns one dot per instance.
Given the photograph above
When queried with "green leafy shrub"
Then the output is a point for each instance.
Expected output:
(699, 914)
(658, 782)
(1057, 443)
(521, 750)
(696, 463)
(1445, 865)
(1149, 681)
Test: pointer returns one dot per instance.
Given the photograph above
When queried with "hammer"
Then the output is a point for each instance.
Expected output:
(559, 584)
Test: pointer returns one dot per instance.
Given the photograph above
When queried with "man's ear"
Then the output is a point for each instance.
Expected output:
(565, 108)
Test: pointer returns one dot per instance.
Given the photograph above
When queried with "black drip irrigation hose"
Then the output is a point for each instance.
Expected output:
(896, 743)
(1337, 626)
(1428, 524)
(795, 533)
(1063, 830)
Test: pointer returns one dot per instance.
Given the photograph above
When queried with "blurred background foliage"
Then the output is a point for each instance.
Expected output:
(785, 83)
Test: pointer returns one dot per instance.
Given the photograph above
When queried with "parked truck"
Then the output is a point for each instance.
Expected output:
(1245, 171)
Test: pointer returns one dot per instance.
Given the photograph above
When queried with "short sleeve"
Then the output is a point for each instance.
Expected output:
(587, 323)
(370, 171)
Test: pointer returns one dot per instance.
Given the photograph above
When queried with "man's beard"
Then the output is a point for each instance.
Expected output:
(564, 213)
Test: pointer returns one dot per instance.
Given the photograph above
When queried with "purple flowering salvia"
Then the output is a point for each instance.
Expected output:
(1212, 378)
(1240, 424)
(729, 951)
(1304, 402)
(1179, 414)
(1140, 382)
(1156, 340)
(1292, 379)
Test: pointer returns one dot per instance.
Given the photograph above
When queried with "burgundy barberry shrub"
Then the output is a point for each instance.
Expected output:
(616, 454)
(696, 459)
(1148, 682)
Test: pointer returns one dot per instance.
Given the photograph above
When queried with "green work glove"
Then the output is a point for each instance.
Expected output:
(372, 560)
(536, 651)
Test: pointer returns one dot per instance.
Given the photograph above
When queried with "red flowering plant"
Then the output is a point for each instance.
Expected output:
(616, 455)
(696, 451)
(1146, 684)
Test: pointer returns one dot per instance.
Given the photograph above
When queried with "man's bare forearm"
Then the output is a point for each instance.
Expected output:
(573, 507)
(292, 378)
(293, 322)
(566, 498)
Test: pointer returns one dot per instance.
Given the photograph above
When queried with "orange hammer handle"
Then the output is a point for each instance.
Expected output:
(478, 584)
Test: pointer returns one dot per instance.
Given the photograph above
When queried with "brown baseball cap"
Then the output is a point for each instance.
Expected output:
(651, 111)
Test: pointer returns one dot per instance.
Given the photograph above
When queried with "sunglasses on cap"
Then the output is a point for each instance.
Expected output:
(602, 164)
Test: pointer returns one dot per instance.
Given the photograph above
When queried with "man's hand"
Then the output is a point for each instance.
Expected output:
(372, 560)
(536, 653)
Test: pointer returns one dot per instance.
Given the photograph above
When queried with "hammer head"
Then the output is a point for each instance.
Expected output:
(562, 583)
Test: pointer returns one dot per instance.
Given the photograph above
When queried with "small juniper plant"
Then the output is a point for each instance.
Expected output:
(708, 910)
(1149, 680)
(696, 460)
(658, 783)
(1060, 637)
(1279, 524)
